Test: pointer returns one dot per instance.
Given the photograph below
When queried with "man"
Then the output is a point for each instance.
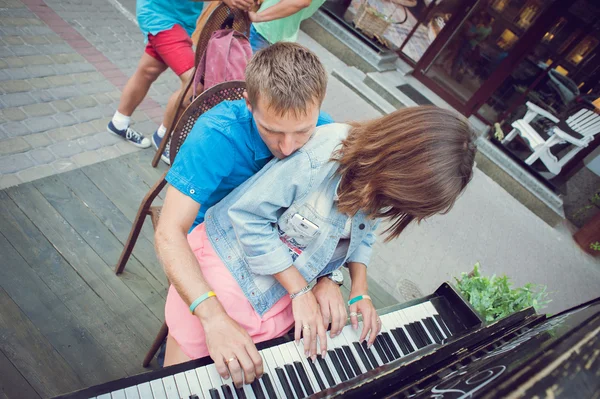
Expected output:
(279, 21)
(167, 26)
(286, 85)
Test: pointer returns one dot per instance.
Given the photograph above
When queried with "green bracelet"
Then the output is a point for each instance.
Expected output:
(358, 298)
(201, 299)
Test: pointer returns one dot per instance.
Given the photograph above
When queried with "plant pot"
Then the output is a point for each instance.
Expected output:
(589, 234)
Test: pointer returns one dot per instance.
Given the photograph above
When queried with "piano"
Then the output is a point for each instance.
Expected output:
(432, 347)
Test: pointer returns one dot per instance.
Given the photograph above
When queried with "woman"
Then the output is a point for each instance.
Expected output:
(306, 215)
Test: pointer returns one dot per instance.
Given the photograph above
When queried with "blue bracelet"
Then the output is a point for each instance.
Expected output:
(201, 299)
(358, 298)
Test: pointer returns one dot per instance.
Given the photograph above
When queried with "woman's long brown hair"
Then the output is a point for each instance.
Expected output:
(407, 165)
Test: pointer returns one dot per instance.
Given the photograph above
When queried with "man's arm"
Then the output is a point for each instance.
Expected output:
(283, 9)
(225, 339)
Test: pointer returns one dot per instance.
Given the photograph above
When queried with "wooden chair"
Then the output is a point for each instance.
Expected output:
(222, 92)
(578, 129)
(222, 17)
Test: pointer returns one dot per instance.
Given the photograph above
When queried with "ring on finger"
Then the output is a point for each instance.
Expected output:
(231, 359)
(378, 320)
(353, 314)
(306, 327)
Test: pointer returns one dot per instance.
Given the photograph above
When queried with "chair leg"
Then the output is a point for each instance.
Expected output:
(131, 240)
(158, 341)
(510, 136)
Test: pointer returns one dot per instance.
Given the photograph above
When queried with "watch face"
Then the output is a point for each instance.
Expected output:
(337, 277)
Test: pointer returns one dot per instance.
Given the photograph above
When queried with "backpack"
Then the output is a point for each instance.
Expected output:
(225, 59)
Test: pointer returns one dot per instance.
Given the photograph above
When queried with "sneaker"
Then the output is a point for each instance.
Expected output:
(130, 135)
(166, 155)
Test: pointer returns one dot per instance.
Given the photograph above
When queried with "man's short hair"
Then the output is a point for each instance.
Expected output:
(288, 77)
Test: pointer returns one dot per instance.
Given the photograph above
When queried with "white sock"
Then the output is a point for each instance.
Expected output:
(121, 121)
(161, 131)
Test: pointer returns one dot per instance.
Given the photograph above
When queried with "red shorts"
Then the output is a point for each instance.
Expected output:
(172, 47)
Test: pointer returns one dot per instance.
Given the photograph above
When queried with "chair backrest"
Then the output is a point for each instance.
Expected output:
(585, 122)
(222, 17)
(226, 91)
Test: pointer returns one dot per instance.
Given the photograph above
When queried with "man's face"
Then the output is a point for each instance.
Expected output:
(285, 134)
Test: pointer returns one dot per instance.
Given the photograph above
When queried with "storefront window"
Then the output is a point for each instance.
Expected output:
(560, 74)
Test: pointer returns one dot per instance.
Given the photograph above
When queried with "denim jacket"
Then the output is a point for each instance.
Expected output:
(255, 233)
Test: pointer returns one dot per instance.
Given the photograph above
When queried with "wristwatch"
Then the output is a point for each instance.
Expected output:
(336, 276)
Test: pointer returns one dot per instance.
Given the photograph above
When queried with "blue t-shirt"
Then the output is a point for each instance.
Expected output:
(223, 150)
(155, 16)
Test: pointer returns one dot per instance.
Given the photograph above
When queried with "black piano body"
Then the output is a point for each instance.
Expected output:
(432, 347)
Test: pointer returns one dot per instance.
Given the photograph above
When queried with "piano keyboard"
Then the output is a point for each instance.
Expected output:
(289, 374)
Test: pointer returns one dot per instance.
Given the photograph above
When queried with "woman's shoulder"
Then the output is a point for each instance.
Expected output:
(325, 141)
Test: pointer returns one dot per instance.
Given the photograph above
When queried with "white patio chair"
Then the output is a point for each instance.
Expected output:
(578, 129)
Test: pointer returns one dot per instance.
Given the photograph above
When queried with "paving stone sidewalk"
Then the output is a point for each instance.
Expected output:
(57, 92)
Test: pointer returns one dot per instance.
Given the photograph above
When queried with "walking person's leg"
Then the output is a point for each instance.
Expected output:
(175, 48)
(136, 88)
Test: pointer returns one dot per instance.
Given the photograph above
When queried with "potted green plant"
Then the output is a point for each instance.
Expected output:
(493, 298)
(588, 236)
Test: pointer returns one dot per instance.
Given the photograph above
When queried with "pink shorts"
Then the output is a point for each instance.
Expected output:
(186, 328)
(172, 47)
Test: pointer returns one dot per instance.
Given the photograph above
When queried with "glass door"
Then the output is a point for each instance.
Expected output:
(488, 35)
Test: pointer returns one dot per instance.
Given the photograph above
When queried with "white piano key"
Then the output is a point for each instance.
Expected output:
(332, 369)
(104, 396)
(158, 390)
(387, 326)
(215, 377)
(305, 362)
(291, 347)
(193, 383)
(204, 381)
(433, 312)
(403, 322)
(348, 342)
(120, 394)
(269, 368)
(229, 383)
(279, 361)
(170, 387)
(419, 314)
(132, 393)
(145, 390)
(182, 385)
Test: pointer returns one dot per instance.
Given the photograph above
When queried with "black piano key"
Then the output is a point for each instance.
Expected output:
(284, 382)
(363, 356)
(194, 396)
(351, 359)
(303, 378)
(240, 393)
(414, 334)
(388, 340)
(345, 363)
(317, 375)
(380, 351)
(432, 328)
(326, 371)
(421, 329)
(257, 389)
(442, 325)
(294, 380)
(370, 355)
(214, 394)
(399, 339)
(269, 386)
(227, 392)
(336, 363)
(405, 340)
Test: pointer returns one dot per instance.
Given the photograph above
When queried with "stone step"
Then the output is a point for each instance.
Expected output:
(346, 46)
(354, 79)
